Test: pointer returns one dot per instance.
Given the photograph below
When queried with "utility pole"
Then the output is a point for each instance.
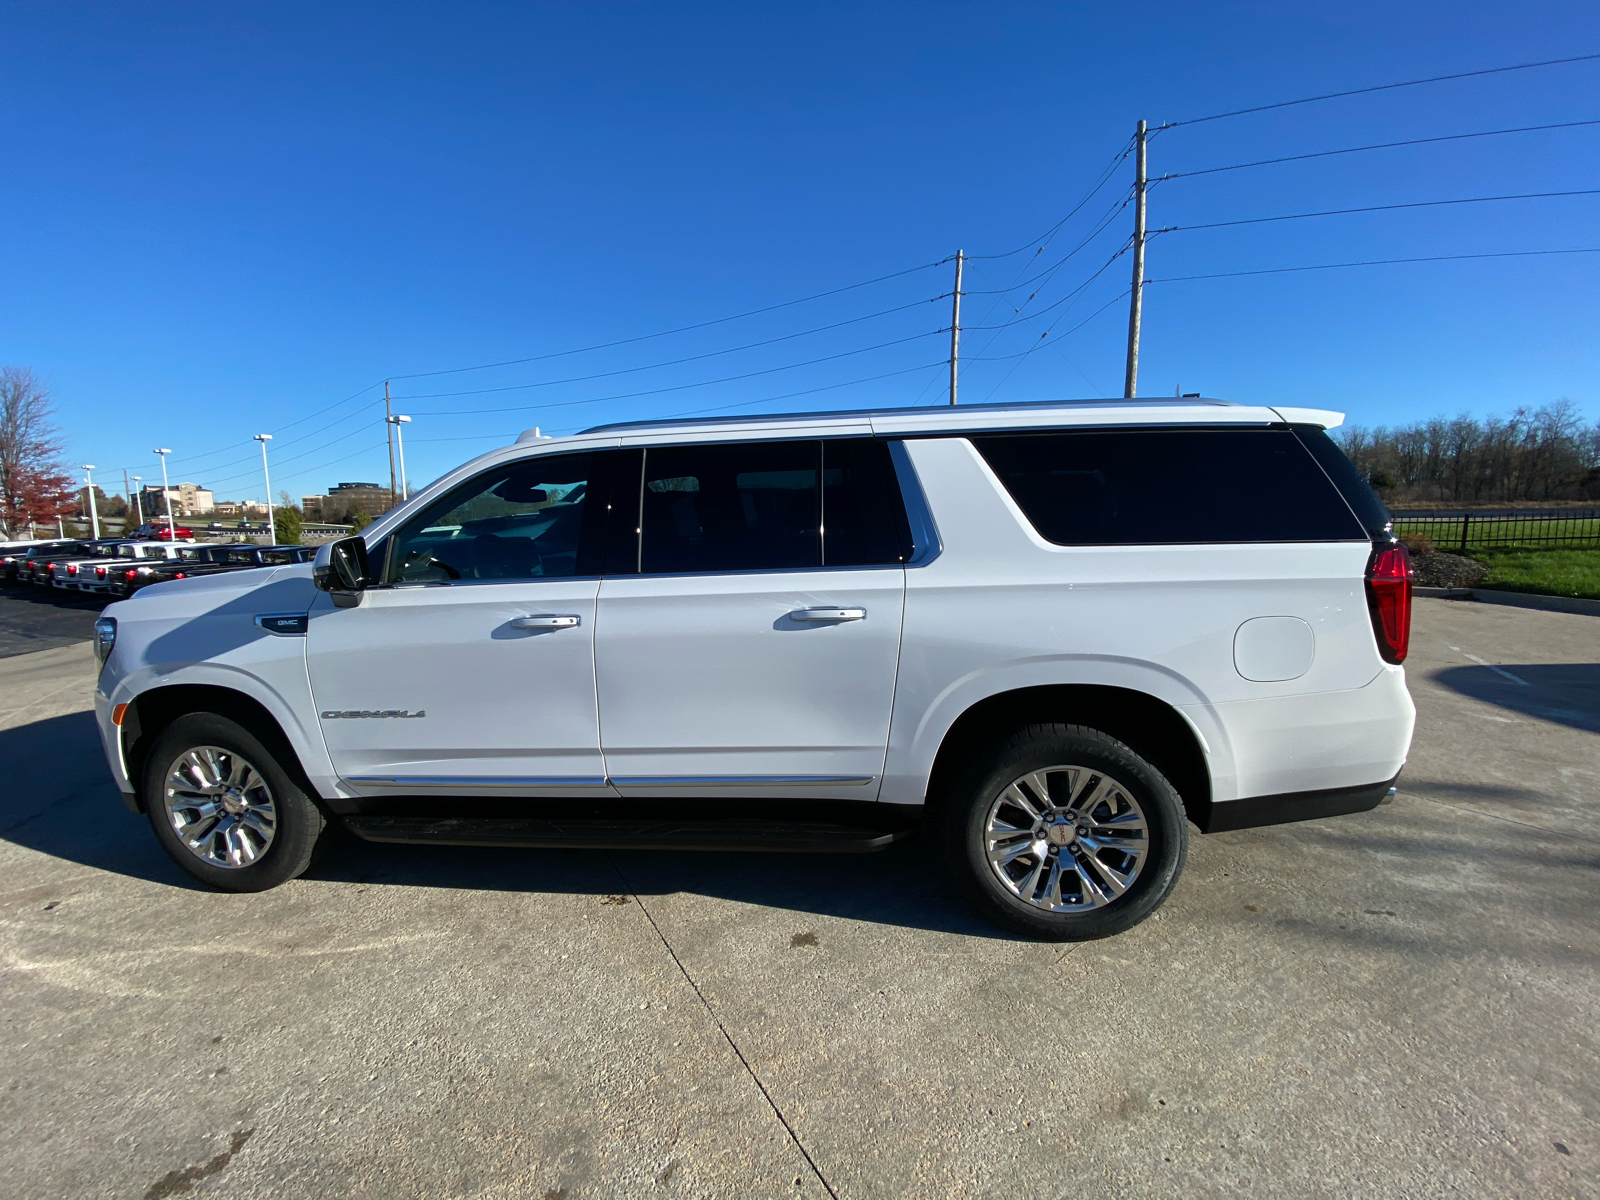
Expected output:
(388, 428)
(94, 513)
(955, 327)
(272, 532)
(128, 492)
(1136, 296)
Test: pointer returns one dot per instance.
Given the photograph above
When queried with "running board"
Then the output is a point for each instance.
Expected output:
(725, 833)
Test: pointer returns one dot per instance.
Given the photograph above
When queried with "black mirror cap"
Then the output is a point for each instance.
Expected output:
(342, 570)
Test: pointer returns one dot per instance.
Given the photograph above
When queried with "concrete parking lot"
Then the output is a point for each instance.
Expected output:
(1401, 1003)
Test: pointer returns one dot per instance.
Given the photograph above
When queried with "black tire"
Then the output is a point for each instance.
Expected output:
(299, 827)
(965, 813)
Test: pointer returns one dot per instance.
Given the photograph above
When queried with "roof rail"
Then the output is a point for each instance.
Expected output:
(1016, 406)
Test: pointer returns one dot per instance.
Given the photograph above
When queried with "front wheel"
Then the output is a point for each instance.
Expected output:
(1063, 832)
(225, 809)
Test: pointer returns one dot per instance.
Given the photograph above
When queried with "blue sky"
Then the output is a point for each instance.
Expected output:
(222, 220)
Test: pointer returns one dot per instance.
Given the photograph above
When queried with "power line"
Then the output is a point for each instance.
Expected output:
(684, 386)
(1449, 137)
(1382, 87)
(1039, 345)
(645, 337)
(676, 361)
(332, 461)
(1339, 212)
(295, 457)
(1377, 262)
(1103, 179)
(1056, 304)
(1103, 224)
(806, 392)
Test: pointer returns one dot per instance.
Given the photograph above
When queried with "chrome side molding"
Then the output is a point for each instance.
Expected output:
(485, 781)
(688, 781)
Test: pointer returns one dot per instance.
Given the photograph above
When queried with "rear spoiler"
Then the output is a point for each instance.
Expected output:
(1311, 416)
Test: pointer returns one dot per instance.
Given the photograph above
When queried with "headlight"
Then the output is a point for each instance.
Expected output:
(105, 637)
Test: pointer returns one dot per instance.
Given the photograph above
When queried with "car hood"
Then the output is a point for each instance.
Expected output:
(287, 588)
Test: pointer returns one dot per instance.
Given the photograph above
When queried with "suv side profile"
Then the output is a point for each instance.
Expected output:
(1052, 636)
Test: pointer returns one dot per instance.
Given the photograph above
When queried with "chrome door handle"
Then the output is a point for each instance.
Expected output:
(545, 621)
(828, 614)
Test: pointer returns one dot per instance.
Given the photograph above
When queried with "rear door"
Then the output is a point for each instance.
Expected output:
(749, 648)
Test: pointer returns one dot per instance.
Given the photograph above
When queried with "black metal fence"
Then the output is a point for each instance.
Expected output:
(1464, 531)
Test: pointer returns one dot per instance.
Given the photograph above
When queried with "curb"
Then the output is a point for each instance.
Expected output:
(1566, 604)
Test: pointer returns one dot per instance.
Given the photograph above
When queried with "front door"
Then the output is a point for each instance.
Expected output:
(754, 650)
(472, 666)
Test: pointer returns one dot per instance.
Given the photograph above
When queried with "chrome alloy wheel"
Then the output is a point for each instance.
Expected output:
(1066, 839)
(220, 807)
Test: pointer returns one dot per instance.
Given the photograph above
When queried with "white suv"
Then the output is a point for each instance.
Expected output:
(1062, 631)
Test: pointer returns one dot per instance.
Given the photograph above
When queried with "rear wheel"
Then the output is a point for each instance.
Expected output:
(1063, 832)
(225, 808)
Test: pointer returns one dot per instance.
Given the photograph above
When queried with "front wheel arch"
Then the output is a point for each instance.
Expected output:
(149, 713)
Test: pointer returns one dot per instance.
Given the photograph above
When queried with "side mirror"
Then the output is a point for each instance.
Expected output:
(341, 570)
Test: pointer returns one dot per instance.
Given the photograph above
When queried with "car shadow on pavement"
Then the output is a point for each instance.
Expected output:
(1565, 693)
(58, 800)
(903, 885)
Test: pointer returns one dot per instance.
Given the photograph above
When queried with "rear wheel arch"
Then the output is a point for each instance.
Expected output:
(1149, 726)
(149, 713)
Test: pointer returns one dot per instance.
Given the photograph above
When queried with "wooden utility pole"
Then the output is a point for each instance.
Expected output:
(955, 327)
(1136, 296)
(388, 431)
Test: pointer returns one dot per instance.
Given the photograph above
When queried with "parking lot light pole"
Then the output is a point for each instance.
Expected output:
(94, 513)
(166, 490)
(272, 533)
(138, 500)
(400, 442)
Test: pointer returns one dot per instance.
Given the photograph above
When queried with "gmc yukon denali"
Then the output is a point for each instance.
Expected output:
(1051, 636)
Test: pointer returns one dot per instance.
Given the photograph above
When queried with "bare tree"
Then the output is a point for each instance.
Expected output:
(1538, 455)
(34, 486)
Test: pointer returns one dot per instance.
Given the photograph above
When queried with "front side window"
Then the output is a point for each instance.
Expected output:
(522, 520)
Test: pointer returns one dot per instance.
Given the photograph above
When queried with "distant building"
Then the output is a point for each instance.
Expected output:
(344, 499)
(239, 508)
(188, 500)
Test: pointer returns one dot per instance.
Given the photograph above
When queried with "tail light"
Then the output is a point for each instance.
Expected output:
(99, 572)
(72, 568)
(180, 575)
(130, 574)
(1389, 577)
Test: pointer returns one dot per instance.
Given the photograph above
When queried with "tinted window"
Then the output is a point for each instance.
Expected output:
(1170, 486)
(523, 520)
(1370, 510)
(859, 502)
(749, 506)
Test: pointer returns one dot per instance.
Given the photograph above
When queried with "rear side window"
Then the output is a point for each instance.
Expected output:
(732, 507)
(757, 506)
(1170, 487)
(860, 505)
(1363, 501)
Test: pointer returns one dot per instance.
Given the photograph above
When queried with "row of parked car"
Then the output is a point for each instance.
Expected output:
(119, 567)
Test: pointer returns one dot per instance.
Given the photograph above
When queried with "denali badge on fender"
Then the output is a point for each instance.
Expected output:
(352, 714)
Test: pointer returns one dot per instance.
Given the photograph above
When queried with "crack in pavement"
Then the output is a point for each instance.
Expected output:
(727, 1037)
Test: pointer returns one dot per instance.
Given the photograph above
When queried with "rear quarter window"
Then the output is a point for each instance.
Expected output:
(1170, 486)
